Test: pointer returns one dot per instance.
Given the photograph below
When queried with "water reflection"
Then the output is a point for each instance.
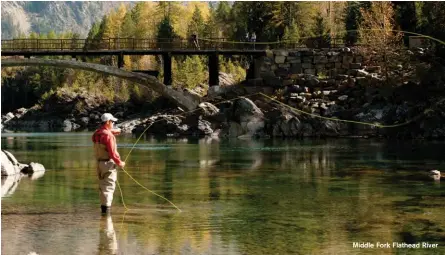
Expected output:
(237, 197)
(107, 236)
(11, 182)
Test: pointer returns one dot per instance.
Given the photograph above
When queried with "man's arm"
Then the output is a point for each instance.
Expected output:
(111, 148)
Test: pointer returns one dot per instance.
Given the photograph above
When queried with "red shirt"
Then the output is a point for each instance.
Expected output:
(105, 136)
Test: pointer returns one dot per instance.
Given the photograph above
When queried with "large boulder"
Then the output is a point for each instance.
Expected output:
(208, 109)
(163, 125)
(226, 79)
(9, 116)
(248, 115)
(33, 167)
(9, 164)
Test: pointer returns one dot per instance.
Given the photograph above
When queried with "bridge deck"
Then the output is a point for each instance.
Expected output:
(35, 52)
(134, 46)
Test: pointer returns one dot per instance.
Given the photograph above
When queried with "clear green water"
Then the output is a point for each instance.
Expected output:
(237, 197)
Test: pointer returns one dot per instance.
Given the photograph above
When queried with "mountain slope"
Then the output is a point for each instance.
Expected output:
(20, 17)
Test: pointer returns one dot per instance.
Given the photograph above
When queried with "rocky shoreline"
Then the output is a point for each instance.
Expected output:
(356, 94)
(255, 116)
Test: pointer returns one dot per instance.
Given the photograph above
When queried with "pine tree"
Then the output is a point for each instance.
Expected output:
(434, 23)
(92, 35)
(406, 18)
(253, 17)
(352, 20)
(211, 29)
(223, 18)
(128, 26)
(320, 33)
(196, 25)
(165, 34)
(291, 34)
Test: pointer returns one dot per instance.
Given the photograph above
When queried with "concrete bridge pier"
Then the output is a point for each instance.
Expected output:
(167, 59)
(214, 69)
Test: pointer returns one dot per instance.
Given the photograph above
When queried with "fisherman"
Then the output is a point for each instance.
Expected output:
(107, 158)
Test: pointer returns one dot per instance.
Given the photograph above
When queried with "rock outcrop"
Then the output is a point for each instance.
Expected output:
(10, 165)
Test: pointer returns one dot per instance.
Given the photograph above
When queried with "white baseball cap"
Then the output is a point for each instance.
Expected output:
(107, 117)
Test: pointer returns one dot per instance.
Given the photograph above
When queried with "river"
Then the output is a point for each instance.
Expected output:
(236, 196)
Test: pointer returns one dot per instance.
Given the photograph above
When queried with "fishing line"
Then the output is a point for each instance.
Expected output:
(378, 125)
(134, 145)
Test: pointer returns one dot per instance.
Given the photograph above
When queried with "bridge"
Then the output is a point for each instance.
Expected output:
(166, 47)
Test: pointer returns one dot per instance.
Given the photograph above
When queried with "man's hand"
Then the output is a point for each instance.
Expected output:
(122, 164)
(116, 131)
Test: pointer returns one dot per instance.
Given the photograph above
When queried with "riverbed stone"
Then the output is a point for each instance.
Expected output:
(362, 73)
(7, 117)
(280, 59)
(33, 167)
(343, 97)
(208, 109)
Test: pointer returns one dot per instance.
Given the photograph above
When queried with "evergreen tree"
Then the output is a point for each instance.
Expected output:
(165, 34)
(211, 29)
(434, 23)
(253, 17)
(223, 18)
(196, 25)
(92, 35)
(128, 26)
(284, 15)
(320, 33)
(352, 20)
(406, 18)
(291, 34)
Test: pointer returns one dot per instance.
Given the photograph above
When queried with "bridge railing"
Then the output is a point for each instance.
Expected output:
(161, 43)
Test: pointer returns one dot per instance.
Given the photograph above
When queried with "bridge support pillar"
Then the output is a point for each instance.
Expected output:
(254, 71)
(167, 59)
(214, 69)
(120, 60)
